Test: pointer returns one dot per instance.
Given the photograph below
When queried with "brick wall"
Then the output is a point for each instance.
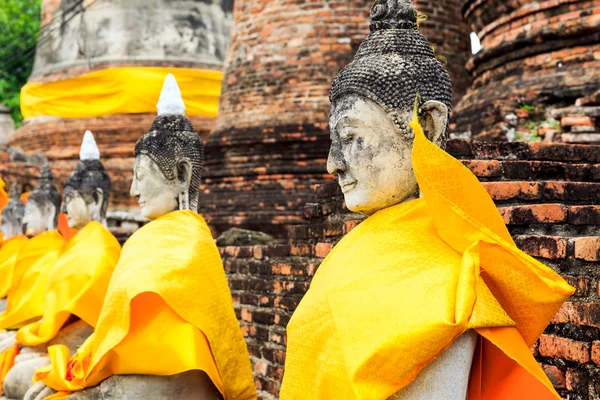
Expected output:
(445, 29)
(535, 53)
(548, 196)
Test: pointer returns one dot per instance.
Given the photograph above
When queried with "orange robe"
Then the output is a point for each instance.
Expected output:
(77, 284)
(27, 292)
(402, 286)
(168, 300)
(8, 257)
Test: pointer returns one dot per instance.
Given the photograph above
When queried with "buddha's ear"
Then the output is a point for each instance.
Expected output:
(51, 213)
(98, 196)
(184, 173)
(433, 116)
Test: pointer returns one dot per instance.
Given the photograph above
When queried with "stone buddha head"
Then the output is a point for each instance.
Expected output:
(372, 101)
(168, 159)
(12, 215)
(87, 188)
(43, 205)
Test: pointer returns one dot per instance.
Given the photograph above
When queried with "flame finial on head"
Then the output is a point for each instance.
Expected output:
(46, 174)
(393, 14)
(15, 193)
(170, 101)
(89, 149)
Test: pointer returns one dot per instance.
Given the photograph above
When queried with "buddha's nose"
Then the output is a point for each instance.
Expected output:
(133, 192)
(336, 164)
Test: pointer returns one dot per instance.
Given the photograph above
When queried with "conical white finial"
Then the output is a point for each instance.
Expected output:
(89, 149)
(170, 101)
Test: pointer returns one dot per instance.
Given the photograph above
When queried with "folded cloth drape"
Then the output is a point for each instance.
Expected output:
(403, 285)
(77, 284)
(168, 310)
(27, 293)
(120, 90)
(8, 257)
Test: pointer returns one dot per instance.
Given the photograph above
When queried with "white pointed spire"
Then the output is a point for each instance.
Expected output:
(170, 101)
(89, 149)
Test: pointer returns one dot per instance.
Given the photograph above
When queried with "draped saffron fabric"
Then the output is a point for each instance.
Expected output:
(168, 300)
(120, 90)
(27, 293)
(77, 284)
(402, 286)
(8, 257)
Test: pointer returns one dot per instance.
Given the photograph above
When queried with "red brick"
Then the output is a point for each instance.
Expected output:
(588, 248)
(534, 214)
(300, 250)
(246, 315)
(551, 247)
(582, 285)
(512, 190)
(577, 380)
(484, 168)
(578, 314)
(573, 120)
(557, 377)
(322, 249)
(352, 224)
(571, 350)
(596, 352)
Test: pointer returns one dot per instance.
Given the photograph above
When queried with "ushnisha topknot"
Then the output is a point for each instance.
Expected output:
(394, 63)
(171, 138)
(15, 209)
(89, 174)
(45, 191)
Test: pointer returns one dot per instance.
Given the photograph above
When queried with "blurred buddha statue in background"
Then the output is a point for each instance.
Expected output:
(79, 279)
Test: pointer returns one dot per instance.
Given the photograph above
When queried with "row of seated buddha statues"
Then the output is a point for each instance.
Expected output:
(428, 298)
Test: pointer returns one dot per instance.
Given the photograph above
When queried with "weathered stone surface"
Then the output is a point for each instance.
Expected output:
(243, 237)
(121, 32)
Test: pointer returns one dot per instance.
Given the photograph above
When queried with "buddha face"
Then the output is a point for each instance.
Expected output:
(38, 218)
(156, 194)
(371, 156)
(12, 225)
(79, 211)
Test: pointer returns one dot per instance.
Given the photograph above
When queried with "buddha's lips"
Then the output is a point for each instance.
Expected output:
(346, 186)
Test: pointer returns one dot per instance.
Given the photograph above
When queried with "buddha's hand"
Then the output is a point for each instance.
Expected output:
(19, 379)
(191, 385)
(38, 391)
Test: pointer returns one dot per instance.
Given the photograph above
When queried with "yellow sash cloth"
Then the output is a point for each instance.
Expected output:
(168, 310)
(120, 90)
(77, 284)
(27, 293)
(8, 257)
(403, 285)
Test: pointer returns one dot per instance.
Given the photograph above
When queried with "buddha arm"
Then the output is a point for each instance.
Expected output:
(446, 377)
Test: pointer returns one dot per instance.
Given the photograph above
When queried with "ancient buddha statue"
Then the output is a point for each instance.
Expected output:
(34, 261)
(172, 334)
(79, 278)
(12, 215)
(431, 279)
(13, 231)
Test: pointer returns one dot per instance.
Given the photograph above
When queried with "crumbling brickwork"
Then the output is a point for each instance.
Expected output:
(548, 196)
(536, 54)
